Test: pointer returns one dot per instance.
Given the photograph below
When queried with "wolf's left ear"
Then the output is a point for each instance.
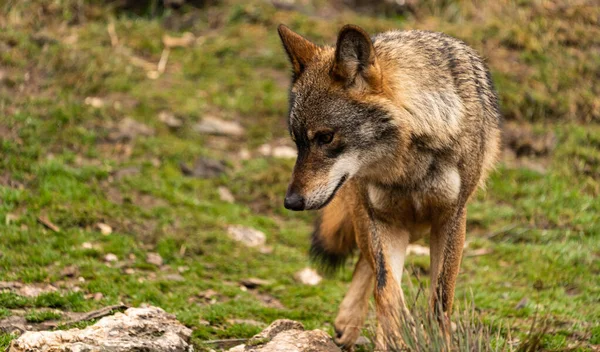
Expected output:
(299, 50)
(355, 59)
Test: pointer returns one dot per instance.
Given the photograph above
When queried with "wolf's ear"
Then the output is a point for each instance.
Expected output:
(299, 50)
(355, 59)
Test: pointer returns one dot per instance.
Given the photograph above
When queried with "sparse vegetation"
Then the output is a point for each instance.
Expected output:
(71, 71)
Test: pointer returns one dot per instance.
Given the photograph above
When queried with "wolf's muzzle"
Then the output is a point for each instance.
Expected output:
(293, 201)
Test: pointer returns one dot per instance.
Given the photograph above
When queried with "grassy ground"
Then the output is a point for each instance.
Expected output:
(534, 233)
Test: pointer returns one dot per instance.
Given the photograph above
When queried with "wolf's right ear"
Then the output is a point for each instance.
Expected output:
(299, 50)
(355, 59)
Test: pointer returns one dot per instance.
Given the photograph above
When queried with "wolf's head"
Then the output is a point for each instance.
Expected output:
(339, 116)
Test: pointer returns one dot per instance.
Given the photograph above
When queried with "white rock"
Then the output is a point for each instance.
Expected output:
(417, 250)
(284, 152)
(110, 257)
(94, 102)
(104, 228)
(154, 258)
(137, 329)
(308, 276)
(215, 126)
(248, 236)
(265, 150)
(225, 195)
(169, 119)
(288, 336)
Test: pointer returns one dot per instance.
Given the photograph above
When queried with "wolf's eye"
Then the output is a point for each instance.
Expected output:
(324, 138)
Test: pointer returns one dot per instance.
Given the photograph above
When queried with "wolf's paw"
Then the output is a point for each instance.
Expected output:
(347, 330)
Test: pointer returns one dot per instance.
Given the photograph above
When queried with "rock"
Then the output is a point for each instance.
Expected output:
(225, 195)
(281, 151)
(105, 229)
(214, 126)
(137, 329)
(87, 245)
(110, 257)
(308, 276)
(290, 336)
(204, 168)
(174, 277)
(170, 120)
(154, 258)
(522, 303)
(127, 129)
(249, 237)
(284, 152)
(417, 249)
(94, 102)
(126, 172)
(69, 271)
(36, 290)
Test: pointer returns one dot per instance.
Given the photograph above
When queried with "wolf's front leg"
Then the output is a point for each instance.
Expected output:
(355, 306)
(388, 251)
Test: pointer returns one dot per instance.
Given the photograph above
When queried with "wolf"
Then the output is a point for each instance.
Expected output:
(395, 133)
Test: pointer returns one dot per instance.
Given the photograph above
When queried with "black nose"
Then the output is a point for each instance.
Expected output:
(294, 201)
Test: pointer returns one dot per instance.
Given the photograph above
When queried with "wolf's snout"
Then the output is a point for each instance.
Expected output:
(293, 201)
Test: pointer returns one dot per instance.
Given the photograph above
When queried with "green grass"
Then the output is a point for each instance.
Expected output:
(36, 316)
(55, 160)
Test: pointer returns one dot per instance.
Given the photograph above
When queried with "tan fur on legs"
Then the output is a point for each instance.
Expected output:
(389, 255)
(355, 306)
(447, 241)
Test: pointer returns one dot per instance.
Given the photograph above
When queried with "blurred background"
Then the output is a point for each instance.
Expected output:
(144, 158)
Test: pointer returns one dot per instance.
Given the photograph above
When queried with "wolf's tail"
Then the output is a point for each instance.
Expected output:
(333, 239)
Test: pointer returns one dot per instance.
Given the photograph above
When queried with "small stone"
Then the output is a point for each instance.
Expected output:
(98, 296)
(266, 249)
(204, 168)
(169, 119)
(94, 102)
(225, 195)
(69, 271)
(208, 294)
(522, 303)
(284, 152)
(129, 271)
(174, 277)
(182, 269)
(265, 150)
(127, 129)
(110, 257)
(417, 250)
(203, 322)
(248, 236)
(81, 279)
(244, 154)
(154, 258)
(104, 228)
(308, 276)
(215, 126)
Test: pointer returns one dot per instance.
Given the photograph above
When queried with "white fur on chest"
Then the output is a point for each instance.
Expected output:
(447, 185)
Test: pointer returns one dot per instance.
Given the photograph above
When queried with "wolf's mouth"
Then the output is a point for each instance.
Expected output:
(339, 185)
